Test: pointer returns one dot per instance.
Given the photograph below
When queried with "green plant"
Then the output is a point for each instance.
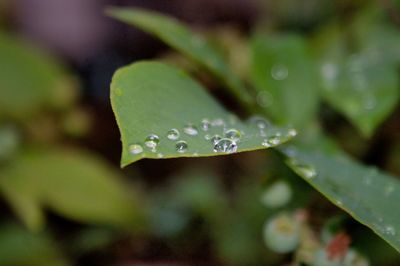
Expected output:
(287, 85)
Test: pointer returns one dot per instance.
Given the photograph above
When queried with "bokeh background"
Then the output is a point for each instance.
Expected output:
(66, 202)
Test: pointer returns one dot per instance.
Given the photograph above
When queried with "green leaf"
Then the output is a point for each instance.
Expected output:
(71, 183)
(178, 36)
(361, 85)
(150, 98)
(368, 195)
(19, 246)
(30, 80)
(284, 75)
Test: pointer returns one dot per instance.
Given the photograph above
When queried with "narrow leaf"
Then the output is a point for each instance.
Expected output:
(368, 195)
(162, 113)
(181, 38)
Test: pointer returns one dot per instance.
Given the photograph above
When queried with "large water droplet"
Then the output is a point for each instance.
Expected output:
(152, 141)
(279, 72)
(181, 146)
(191, 130)
(135, 149)
(233, 134)
(205, 124)
(225, 145)
(173, 134)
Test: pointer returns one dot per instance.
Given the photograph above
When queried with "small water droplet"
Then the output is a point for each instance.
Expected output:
(279, 72)
(271, 141)
(305, 170)
(191, 130)
(207, 137)
(173, 134)
(218, 122)
(215, 139)
(339, 202)
(264, 99)
(259, 121)
(389, 230)
(205, 124)
(160, 155)
(233, 134)
(292, 132)
(181, 146)
(135, 149)
(152, 141)
(195, 154)
(118, 91)
(225, 145)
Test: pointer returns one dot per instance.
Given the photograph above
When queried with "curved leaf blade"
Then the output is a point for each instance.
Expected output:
(154, 98)
(369, 196)
(178, 36)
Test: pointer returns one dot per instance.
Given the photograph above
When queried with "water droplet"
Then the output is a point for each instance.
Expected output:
(160, 155)
(118, 91)
(264, 99)
(196, 154)
(389, 230)
(173, 134)
(225, 145)
(205, 124)
(304, 169)
(215, 139)
(152, 141)
(233, 134)
(191, 130)
(279, 72)
(181, 146)
(218, 122)
(271, 141)
(259, 121)
(207, 137)
(292, 132)
(339, 202)
(135, 149)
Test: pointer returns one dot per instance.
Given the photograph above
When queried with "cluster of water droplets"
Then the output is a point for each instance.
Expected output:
(223, 136)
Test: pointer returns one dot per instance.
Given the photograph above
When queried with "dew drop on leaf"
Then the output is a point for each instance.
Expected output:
(205, 124)
(225, 145)
(233, 134)
(173, 134)
(279, 72)
(152, 141)
(181, 146)
(215, 139)
(191, 130)
(135, 149)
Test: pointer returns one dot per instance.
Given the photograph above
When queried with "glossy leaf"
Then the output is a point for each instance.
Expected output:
(368, 195)
(361, 85)
(71, 183)
(284, 75)
(181, 38)
(30, 80)
(153, 100)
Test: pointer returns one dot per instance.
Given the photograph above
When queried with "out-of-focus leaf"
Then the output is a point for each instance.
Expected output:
(162, 113)
(368, 195)
(284, 75)
(361, 85)
(181, 38)
(21, 247)
(30, 80)
(71, 183)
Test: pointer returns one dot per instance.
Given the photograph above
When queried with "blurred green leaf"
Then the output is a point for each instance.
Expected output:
(361, 85)
(284, 75)
(152, 100)
(181, 38)
(73, 184)
(30, 80)
(368, 195)
(21, 247)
